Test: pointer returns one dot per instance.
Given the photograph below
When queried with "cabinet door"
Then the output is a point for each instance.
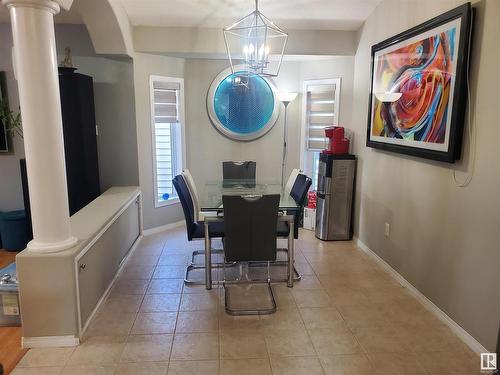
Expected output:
(98, 267)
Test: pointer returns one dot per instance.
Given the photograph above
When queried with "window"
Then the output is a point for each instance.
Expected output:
(320, 109)
(167, 117)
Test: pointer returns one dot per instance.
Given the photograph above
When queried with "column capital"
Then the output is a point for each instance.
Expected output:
(54, 6)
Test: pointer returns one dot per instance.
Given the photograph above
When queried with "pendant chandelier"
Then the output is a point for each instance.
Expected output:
(251, 41)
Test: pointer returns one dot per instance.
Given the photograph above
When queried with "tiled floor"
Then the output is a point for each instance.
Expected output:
(346, 316)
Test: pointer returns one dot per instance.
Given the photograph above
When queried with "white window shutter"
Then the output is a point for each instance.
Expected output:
(322, 110)
(165, 116)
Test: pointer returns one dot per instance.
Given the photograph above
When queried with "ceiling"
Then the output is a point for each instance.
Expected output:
(291, 14)
(288, 14)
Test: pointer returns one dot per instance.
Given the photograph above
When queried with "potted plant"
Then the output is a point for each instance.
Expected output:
(11, 119)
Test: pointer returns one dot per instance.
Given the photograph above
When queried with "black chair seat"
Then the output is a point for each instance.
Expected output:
(283, 229)
(216, 229)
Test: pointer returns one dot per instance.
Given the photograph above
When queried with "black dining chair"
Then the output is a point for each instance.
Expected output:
(250, 236)
(299, 191)
(194, 229)
(233, 171)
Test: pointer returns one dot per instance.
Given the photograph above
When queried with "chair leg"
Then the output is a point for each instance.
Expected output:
(237, 312)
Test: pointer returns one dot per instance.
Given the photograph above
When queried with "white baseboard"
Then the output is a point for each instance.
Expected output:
(49, 342)
(469, 340)
(162, 228)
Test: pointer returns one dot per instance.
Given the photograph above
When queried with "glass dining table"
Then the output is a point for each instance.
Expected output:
(210, 200)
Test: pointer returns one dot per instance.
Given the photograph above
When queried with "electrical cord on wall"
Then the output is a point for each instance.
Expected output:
(471, 121)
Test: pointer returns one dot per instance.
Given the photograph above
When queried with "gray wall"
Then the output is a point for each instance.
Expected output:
(11, 194)
(207, 148)
(115, 113)
(443, 238)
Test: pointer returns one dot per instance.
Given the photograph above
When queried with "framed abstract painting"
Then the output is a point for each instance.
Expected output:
(419, 88)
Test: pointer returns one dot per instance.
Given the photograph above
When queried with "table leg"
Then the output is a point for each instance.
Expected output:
(290, 253)
(208, 258)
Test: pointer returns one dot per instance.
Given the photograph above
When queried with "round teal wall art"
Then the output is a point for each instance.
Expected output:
(242, 107)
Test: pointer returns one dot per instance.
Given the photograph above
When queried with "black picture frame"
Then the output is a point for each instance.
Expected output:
(464, 14)
(4, 140)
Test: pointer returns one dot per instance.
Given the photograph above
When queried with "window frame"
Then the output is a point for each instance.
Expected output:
(306, 156)
(180, 155)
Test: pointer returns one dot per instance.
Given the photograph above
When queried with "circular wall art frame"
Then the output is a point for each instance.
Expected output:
(242, 107)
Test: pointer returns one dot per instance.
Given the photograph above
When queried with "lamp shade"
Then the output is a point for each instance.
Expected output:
(388, 97)
(287, 97)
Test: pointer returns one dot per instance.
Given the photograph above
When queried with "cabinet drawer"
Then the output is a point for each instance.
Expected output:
(98, 266)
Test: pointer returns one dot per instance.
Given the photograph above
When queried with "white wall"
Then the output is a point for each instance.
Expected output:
(146, 65)
(444, 239)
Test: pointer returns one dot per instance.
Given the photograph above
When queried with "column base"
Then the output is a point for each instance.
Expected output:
(51, 247)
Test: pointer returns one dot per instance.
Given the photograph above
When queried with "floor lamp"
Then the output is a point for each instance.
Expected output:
(286, 98)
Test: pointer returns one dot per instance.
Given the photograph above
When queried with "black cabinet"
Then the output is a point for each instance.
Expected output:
(80, 141)
(80, 138)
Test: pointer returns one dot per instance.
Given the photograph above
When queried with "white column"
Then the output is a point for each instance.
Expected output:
(35, 63)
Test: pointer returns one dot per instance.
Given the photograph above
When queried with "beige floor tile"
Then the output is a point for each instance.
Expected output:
(430, 337)
(143, 260)
(89, 370)
(193, 368)
(352, 364)
(396, 364)
(197, 321)
(289, 342)
(307, 282)
(155, 322)
(160, 302)
(332, 341)
(46, 357)
(245, 367)
(321, 317)
(282, 319)
(450, 363)
(122, 303)
(344, 295)
(296, 366)
(304, 269)
(101, 353)
(142, 368)
(149, 249)
(111, 324)
(168, 259)
(359, 316)
(195, 346)
(37, 371)
(147, 348)
(137, 272)
(382, 340)
(129, 286)
(312, 298)
(196, 302)
(235, 345)
(244, 323)
(165, 286)
(169, 272)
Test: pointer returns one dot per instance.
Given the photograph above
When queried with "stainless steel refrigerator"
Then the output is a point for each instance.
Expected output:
(336, 175)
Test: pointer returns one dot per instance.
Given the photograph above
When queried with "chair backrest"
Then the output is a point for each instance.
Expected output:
(291, 180)
(239, 170)
(194, 193)
(187, 203)
(250, 227)
(300, 188)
